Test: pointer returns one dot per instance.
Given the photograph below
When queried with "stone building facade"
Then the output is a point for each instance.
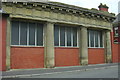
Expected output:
(47, 35)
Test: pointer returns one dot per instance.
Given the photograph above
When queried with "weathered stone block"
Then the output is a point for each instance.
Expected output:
(53, 15)
(20, 11)
(46, 14)
(8, 9)
(37, 13)
(28, 11)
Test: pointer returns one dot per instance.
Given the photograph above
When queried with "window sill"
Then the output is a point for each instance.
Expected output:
(65, 47)
(96, 47)
(25, 46)
(116, 42)
(116, 36)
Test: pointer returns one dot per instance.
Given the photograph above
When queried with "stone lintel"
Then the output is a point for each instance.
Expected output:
(60, 21)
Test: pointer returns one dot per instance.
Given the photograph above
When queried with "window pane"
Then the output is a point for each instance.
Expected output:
(96, 38)
(23, 33)
(74, 36)
(56, 36)
(62, 36)
(115, 31)
(15, 33)
(31, 34)
(88, 38)
(91, 38)
(101, 40)
(39, 34)
(68, 36)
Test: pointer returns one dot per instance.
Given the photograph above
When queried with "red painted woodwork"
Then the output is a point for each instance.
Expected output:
(27, 57)
(66, 56)
(96, 55)
(3, 22)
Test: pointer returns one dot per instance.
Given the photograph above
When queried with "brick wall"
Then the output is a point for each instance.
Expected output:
(27, 57)
(114, 49)
(96, 55)
(66, 56)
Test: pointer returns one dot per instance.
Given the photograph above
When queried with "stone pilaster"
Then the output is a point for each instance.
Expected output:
(83, 46)
(49, 45)
(108, 57)
(8, 43)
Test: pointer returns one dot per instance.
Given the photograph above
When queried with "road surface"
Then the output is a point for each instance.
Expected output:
(110, 72)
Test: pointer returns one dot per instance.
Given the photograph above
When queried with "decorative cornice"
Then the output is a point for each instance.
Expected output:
(65, 8)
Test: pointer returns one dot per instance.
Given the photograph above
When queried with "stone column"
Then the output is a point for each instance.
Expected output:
(83, 46)
(8, 43)
(108, 57)
(49, 45)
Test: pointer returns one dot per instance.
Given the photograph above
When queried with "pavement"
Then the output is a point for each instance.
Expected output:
(41, 71)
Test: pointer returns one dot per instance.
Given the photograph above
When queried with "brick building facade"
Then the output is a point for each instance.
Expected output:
(46, 35)
(116, 39)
